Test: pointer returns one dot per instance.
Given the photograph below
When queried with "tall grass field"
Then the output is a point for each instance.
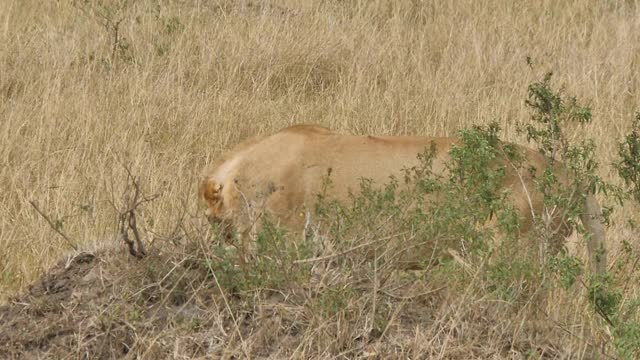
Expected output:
(94, 93)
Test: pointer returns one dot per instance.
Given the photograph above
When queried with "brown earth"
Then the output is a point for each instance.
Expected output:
(47, 318)
(82, 308)
(42, 320)
(109, 305)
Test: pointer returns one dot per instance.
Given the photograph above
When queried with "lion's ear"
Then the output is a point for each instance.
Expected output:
(211, 192)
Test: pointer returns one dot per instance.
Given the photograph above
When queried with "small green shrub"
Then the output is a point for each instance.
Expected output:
(568, 268)
(629, 164)
(606, 292)
(272, 266)
(110, 15)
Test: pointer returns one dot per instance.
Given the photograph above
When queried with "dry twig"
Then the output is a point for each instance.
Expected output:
(53, 226)
(127, 215)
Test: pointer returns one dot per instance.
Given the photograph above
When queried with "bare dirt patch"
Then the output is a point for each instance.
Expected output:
(90, 305)
(45, 318)
(110, 305)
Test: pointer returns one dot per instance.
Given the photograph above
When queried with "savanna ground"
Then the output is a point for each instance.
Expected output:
(91, 89)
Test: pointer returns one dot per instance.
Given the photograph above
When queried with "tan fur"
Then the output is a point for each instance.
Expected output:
(282, 174)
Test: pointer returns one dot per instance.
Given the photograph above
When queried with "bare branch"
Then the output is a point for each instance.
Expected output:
(53, 226)
(127, 215)
(136, 233)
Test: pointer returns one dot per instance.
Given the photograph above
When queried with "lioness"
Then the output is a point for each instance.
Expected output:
(283, 173)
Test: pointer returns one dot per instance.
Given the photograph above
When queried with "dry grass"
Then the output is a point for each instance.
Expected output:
(191, 78)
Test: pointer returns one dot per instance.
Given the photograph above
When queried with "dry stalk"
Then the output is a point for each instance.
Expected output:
(53, 226)
(352, 249)
(127, 215)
